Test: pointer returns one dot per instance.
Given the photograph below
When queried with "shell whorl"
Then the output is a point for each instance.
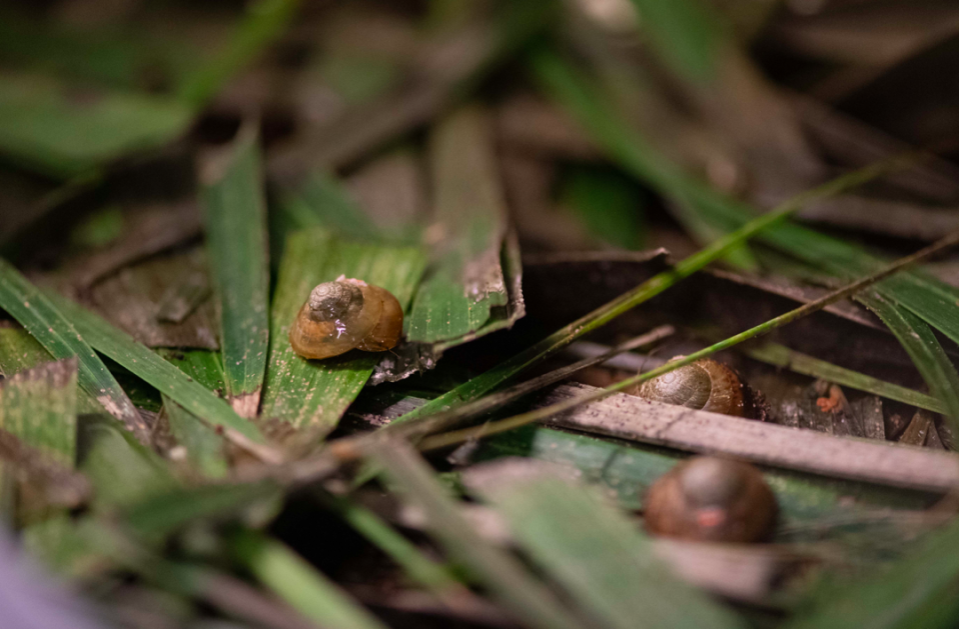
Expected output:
(335, 300)
(704, 385)
(688, 386)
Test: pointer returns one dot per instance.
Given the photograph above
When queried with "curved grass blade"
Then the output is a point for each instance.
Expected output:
(923, 348)
(166, 378)
(433, 576)
(687, 35)
(314, 394)
(507, 581)
(917, 592)
(122, 471)
(798, 362)
(591, 548)
(56, 333)
(932, 300)
(302, 587)
(45, 128)
(264, 21)
(234, 207)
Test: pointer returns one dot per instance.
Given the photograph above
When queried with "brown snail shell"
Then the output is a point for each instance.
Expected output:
(343, 315)
(705, 385)
(711, 499)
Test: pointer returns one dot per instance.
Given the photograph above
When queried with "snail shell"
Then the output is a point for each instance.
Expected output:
(711, 499)
(346, 314)
(705, 385)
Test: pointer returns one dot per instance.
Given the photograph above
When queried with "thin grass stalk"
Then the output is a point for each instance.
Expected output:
(654, 286)
(510, 423)
(438, 422)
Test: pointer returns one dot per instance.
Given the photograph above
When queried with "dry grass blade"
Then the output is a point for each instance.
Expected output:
(507, 581)
(234, 204)
(58, 336)
(592, 549)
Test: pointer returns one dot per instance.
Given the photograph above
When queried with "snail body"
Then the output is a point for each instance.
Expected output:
(346, 314)
(705, 385)
(711, 499)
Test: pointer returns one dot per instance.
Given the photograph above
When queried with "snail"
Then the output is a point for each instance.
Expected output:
(346, 314)
(711, 499)
(705, 385)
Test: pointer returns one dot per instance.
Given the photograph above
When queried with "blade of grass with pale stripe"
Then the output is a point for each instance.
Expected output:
(311, 394)
(234, 205)
(592, 549)
(45, 322)
(39, 407)
(299, 584)
(165, 377)
(782, 356)
(464, 293)
(507, 581)
(20, 351)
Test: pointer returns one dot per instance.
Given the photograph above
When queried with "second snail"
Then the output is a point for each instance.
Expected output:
(346, 314)
(705, 385)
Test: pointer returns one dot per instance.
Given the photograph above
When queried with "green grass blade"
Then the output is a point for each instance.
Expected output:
(122, 471)
(19, 351)
(162, 375)
(234, 206)
(433, 576)
(917, 592)
(204, 447)
(506, 580)
(314, 394)
(685, 34)
(48, 325)
(923, 348)
(264, 21)
(465, 283)
(39, 407)
(321, 201)
(593, 550)
(627, 470)
(297, 583)
(46, 129)
(798, 362)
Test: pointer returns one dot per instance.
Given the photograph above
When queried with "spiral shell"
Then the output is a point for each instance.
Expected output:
(346, 314)
(711, 499)
(705, 385)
